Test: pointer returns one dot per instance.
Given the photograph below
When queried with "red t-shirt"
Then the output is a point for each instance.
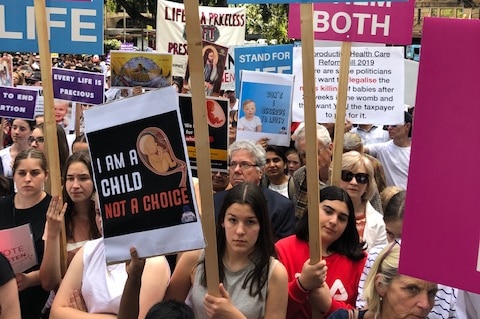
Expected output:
(343, 276)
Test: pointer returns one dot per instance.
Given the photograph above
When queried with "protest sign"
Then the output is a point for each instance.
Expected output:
(220, 25)
(375, 85)
(17, 245)
(265, 107)
(73, 26)
(377, 22)
(214, 60)
(271, 58)
(217, 120)
(145, 69)
(228, 78)
(78, 86)
(439, 196)
(15, 102)
(142, 176)
(39, 107)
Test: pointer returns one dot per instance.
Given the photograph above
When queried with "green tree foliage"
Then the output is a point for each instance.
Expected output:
(269, 21)
(111, 44)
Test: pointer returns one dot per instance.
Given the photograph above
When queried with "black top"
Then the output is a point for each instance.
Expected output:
(32, 299)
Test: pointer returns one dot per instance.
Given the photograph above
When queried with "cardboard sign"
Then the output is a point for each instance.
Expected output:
(74, 26)
(375, 92)
(217, 120)
(264, 109)
(15, 102)
(78, 86)
(145, 69)
(142, 176)
(17, 245)
(376, 22)
(220, 25)
(441, 193)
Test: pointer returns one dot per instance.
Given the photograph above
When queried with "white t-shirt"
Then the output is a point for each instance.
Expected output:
(395, 161)
(249, 125)
(374, 135)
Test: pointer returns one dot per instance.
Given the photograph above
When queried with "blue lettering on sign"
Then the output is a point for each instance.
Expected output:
(73, 26)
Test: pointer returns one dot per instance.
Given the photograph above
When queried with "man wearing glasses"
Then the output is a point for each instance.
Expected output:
(395, 154)
(246, 161)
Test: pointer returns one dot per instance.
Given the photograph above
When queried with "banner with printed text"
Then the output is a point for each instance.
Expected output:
(263, 58)
(375, 85)
(375, 22)
(142, 176)
(73, 26)
(220, 25)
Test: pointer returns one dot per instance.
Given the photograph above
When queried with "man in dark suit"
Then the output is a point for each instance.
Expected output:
(246, 161)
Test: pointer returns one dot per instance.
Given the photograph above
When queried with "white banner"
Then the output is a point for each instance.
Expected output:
(221, 25)
(375, 85)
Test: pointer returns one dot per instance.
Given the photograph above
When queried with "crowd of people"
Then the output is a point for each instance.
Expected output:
(262, 231)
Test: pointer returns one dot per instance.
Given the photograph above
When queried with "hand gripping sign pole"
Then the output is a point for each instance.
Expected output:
(51, 144)
(202, 146)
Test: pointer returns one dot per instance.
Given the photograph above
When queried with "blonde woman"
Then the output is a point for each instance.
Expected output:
(357, 179)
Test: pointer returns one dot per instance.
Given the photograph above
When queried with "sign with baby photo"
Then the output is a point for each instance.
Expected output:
(143, 177)
(265, 107)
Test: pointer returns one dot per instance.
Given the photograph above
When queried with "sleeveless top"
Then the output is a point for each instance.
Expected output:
(251, 307)
(102, 285)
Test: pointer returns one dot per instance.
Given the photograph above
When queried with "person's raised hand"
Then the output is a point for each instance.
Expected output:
(55, 215)
(135, 265)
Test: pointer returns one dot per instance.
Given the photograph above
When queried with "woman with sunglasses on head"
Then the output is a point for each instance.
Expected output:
(393, 202)
(312, 286)
(20, 131)
(390, 294)
(357, 179)
(28, 206)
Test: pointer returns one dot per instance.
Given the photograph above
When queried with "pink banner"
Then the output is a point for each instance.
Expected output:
(374, 22)
(441, 232)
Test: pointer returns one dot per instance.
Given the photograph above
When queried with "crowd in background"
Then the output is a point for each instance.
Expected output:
(262, 230)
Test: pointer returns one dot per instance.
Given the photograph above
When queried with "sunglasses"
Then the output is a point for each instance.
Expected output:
(361, 178)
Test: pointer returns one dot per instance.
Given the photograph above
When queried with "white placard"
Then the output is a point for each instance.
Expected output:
(375, 85)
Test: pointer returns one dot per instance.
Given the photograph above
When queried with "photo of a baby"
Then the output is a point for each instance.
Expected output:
(249, 121)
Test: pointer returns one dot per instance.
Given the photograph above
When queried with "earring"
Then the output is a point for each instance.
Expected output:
(381, 299)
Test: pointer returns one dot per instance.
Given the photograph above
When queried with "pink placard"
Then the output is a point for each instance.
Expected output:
(374, 22)
(441, 232)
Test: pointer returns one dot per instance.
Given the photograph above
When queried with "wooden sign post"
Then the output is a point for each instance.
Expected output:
(202, 144)
(50, 127)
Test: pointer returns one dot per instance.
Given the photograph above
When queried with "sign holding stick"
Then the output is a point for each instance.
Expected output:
(50, 125)
(341, 110)
(315, 243)
(202, 143)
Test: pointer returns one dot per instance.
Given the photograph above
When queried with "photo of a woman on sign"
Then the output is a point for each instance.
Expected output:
(157, 155)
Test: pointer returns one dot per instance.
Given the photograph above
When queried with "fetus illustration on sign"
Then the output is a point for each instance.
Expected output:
(157, 154)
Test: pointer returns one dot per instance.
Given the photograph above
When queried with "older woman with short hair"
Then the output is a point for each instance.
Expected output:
(390, 294)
